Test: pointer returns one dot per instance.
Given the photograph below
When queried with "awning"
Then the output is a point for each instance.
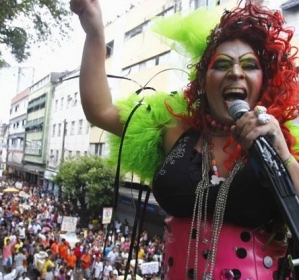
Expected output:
(34, 123)
(34, 169)
(36, 103)
(17, 137)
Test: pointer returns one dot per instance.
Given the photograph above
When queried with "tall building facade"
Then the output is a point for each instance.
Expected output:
(15, 140)
(37, 127)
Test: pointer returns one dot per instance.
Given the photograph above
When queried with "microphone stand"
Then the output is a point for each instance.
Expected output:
(265, 158)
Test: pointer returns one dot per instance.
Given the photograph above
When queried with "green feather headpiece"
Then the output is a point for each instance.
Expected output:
(188, 33)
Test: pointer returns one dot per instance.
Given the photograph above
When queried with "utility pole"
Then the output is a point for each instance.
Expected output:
(63, 141)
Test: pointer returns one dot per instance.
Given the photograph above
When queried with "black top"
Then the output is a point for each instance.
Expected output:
(249, 202)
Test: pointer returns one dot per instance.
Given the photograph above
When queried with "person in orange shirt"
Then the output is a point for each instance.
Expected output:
(71, 260)
(54, 247)
(86, 264)
(63, 250)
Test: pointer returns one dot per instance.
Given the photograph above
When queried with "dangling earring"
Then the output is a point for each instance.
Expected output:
(200, 92)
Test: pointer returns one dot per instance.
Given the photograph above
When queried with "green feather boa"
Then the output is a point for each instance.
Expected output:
(143, 144)
(142, 150)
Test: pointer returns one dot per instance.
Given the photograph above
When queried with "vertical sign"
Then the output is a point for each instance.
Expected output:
(107, 215)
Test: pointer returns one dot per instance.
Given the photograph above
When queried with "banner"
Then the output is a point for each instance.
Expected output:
(149, 268)
(107, 215)
(69, 224)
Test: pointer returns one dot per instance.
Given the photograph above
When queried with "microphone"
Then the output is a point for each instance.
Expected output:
(237, 108)
(266, 162)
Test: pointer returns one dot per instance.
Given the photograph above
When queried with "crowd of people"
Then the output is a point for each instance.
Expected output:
(33, 246)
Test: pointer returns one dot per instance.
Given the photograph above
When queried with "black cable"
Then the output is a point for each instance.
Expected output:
(269, 162)
(117, 175)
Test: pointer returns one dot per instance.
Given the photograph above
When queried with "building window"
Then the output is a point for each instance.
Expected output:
(72, 128)
(68, 101)
(61, 103)
(56, 106)
(66, 128)
(57, 156)
(75, 99)
(209, 3)
(87, 127)
(135, 31)
(80, 127)
(109, 49)
(53, 131)
(99, 149)
(59, 130)
(13, 142)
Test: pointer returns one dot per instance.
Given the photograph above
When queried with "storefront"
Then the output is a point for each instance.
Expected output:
(33, 174)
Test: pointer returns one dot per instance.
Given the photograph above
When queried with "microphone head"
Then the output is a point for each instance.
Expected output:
(237, 108)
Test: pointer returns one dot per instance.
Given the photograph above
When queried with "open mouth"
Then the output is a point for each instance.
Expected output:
(231, 94)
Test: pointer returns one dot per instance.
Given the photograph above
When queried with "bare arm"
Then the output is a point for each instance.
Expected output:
(94, 89)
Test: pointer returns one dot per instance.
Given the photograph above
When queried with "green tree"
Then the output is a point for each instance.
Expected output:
(87, 183)
(27, 22)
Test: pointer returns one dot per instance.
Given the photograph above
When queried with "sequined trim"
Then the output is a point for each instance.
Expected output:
(177, 152)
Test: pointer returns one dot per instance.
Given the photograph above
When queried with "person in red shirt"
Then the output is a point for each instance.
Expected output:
(77, 253)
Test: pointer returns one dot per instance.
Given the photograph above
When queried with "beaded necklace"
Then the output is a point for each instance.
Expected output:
(200, 213)
(215, 179)
(214, 124)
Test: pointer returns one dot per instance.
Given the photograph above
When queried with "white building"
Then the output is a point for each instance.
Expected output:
(17, 122)
(68, 133)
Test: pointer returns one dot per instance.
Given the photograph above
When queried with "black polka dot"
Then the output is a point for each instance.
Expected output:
(245, 236)
(237, 274)
(170, 261)
(194, 233)
(241, 253)
(191, 273)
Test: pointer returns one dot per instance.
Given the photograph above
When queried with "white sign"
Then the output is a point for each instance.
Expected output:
(18, 185)
(107, 215)
(69, 224)
(149, 268)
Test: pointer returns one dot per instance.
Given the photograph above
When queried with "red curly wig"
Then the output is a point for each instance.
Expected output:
(263, 30)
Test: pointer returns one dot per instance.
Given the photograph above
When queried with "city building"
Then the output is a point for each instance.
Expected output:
(37, 127)
(68, 128)
(3, 147)
(15, 141)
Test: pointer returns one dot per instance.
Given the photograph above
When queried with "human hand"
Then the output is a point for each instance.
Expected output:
(90, 14)
(248, 128)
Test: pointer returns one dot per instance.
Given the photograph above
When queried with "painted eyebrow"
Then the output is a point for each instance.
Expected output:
(241, 58)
